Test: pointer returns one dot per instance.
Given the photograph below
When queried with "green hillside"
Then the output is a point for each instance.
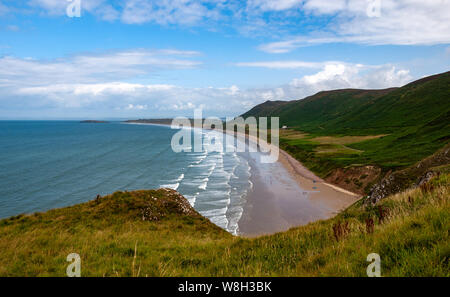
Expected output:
(412, 121)
(157, 233)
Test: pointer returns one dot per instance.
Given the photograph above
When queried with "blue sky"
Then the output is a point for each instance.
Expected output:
(143, 58)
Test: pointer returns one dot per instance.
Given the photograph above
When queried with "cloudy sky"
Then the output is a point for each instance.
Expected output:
(163, 58)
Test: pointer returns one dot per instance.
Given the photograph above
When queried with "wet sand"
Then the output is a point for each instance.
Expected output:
(285, 194)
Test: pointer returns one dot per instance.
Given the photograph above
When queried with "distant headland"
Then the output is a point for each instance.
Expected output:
(151, 121)
(93, 122)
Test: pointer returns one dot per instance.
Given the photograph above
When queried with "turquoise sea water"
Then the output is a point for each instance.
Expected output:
(50, 164)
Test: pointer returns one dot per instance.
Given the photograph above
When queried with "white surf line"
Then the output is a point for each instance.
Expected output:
(305, 172)
(342, 190)
(310, 175)
(170, 186)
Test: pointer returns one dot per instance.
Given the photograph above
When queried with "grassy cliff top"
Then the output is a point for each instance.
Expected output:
(157, 233)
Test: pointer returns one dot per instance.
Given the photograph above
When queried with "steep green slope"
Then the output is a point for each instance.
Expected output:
(415, 120)
(268, 108)
(364, 111)
(157, 233)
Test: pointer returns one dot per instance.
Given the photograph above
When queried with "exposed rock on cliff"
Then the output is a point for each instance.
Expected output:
(411, 177)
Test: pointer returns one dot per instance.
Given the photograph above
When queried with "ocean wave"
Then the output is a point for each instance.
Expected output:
(211, 170)
(204, 184)
(221, 202)
(180, 178)
(192, 198)
(215, 183)
(234, 214)
(199, 159)
(170, 186)
(214, 212)
(219, 220)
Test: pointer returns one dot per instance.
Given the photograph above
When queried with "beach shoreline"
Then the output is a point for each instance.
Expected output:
(290, 197)
(272, 208)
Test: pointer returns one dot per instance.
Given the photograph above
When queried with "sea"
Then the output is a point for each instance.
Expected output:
(52, 164)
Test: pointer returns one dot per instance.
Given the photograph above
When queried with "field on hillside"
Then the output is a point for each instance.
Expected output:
(325, 153)
(155, 233)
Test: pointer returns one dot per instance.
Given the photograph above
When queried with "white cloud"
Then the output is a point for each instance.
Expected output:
(104, 89)
(166, 12)
(325, 7)
(400, 22)
(163, 12)
(138, 107)
(273, 5)
(92, 68)
(138, 97)
(51, 6)
(84, 95)
(343, 76)
(332, 72)
(58, 7)
(117, 98)
(338, 75)
(85, 83)
(281, 64)
(279, 47)
(84, 80)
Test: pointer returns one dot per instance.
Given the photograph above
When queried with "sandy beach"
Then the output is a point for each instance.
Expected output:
(286, 194)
